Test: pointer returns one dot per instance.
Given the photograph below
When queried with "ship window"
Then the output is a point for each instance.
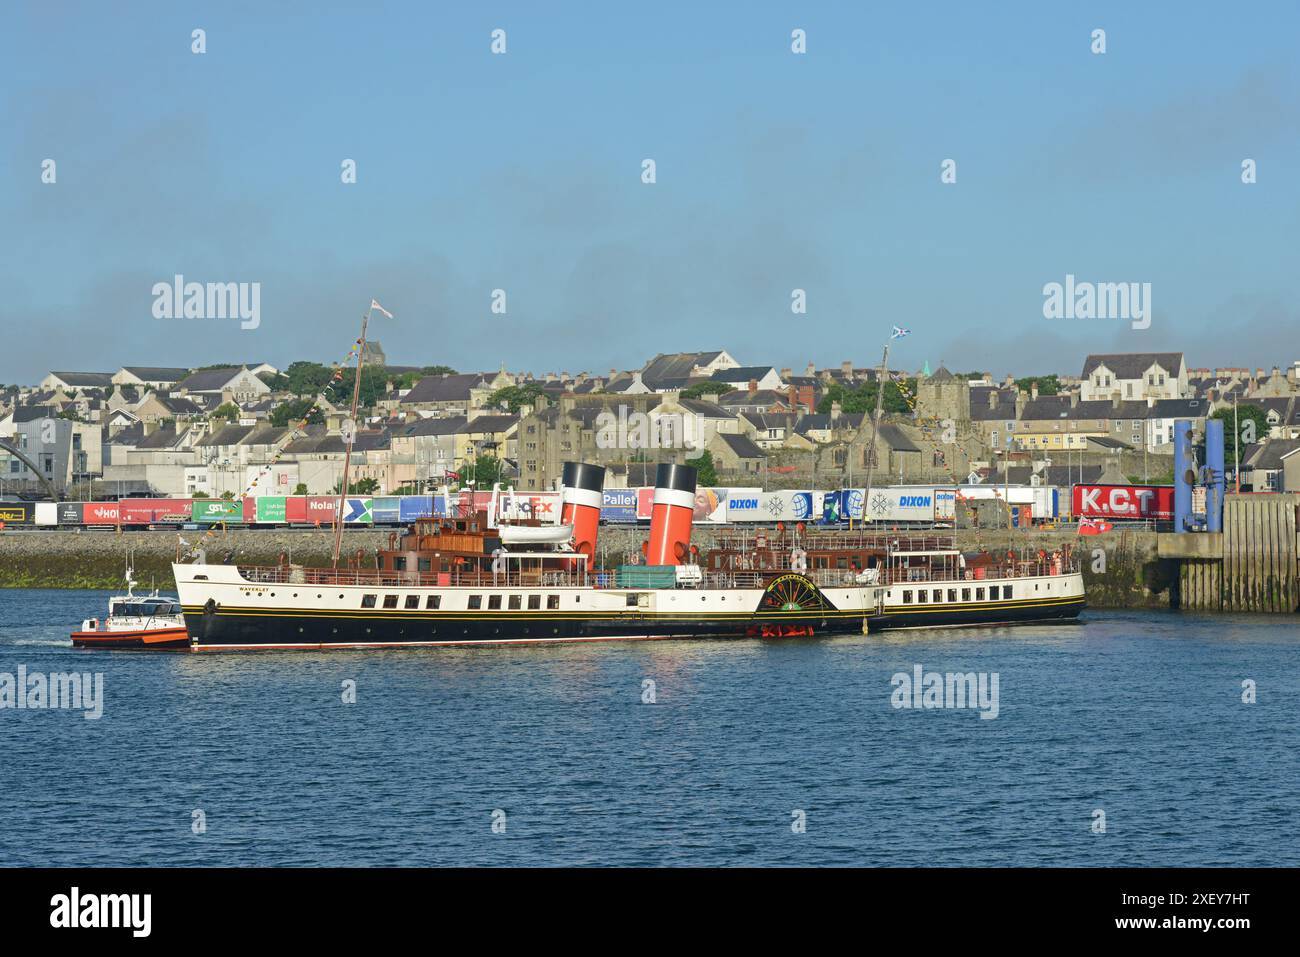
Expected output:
(922, 595)
(552, 602)
(368, 601)
(423, 564)
(1006, 591)
(516, 602)
(631, 600)
(412, 601)
(993, 592)
(907, 596)
(494, 602)
(979, 594)
(534, 602)
(390, 601)
(433, 601)
(938, 595)
(475, 602)
(399, 563)
(952, 594)
(965, 594)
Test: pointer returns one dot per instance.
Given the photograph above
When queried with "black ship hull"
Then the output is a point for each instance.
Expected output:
(236, 629)
(232, 629)
(986, 614)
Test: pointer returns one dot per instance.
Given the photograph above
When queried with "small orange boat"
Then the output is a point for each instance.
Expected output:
(154, 622)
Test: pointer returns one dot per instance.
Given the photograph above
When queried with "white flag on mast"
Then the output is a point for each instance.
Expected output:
(374, 304)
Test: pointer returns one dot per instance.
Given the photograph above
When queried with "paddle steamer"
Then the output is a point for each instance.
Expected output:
(467, 578)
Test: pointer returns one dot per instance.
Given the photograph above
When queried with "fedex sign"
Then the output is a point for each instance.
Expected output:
(1124, 501)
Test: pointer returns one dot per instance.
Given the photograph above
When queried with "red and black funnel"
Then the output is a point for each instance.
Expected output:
(670, 521)
(582, 485)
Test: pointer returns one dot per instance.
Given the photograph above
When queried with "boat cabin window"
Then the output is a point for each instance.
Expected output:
(433, 601)
(494, 602)
(1006, 591)
(907, 596)
(552, 602)
(412, 601)
(516, 602)
(952, 594)
(390, 601)
(631, 600)
(534, 602)
(368, 601)
(423, 564)
(145, 609)
(979, 594)
(399, 563)
(965, 594)
(938, 595)
(475, 602)
(922, 595)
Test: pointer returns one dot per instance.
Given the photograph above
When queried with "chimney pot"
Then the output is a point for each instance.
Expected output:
(847, 367)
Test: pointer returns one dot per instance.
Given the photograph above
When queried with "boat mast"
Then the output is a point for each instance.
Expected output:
(875, 428)
(350, 438)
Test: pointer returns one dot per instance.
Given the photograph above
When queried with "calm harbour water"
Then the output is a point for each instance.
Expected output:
(1138, 714)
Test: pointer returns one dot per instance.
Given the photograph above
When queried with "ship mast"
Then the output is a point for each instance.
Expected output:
(350, 438)
(875, 428)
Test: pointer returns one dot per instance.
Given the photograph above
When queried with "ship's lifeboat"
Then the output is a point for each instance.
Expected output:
(535, 534)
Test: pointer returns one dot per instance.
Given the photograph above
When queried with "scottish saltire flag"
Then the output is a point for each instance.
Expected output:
(899, 332)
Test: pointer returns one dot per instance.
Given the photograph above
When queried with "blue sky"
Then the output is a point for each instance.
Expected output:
(522, 172)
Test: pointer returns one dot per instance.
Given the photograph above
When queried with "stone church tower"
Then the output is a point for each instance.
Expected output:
(943, 396)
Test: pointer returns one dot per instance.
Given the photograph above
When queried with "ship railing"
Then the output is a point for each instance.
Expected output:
(512, 578)
(998, 572)
(835, 539)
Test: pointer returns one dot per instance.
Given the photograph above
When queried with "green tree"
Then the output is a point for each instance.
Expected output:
(706, 470)
(438, 370)
(862, 398)
(300, 488)
(307, 378)
(228, 411)
(1047, 384)
(1252, 427)
(292, 411)
(484, 470)
(702, 389)
(365, 486)
(515, 397)
(374, 383)
(406, 380)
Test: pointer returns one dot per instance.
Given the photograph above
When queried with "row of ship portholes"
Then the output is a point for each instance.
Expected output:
(434, 631)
